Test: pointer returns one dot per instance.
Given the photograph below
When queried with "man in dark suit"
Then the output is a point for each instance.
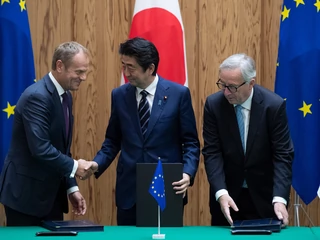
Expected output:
(38, 171)
(150, 118)
(247, 150)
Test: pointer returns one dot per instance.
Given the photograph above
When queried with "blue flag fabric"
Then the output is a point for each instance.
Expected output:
(298, 81)
(157, 188)
(16, 64)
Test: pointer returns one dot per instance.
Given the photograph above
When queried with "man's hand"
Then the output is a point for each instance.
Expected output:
(182, 185)
(281, 212)
(86, 168)
(78, 203)
(226, 202)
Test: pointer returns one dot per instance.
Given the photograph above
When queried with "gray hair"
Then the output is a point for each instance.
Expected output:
(65, 52)
(242, 61)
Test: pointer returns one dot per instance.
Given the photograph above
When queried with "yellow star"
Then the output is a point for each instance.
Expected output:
(9, 110)
(278, 64)
(317, 4)
(299, 2)
(35, 80)
(285, 13)
(22, 5)
(305, 109)
(4, 1)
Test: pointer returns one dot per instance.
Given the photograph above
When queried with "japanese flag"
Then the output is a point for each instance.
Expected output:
(160, 22)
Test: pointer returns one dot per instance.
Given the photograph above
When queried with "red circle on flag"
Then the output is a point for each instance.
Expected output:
(163, 29)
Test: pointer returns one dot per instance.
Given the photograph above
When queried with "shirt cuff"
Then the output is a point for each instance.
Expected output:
(220, 193)
(279, 199)
(75, 167)
(73, 189)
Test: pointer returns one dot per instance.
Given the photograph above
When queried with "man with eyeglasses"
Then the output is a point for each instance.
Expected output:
(248, 150)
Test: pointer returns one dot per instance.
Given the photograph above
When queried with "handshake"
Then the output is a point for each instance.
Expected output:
(86, 169)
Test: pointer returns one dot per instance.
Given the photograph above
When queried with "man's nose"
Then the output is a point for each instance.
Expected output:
(83, 76)
(126, 72)
(227, 91)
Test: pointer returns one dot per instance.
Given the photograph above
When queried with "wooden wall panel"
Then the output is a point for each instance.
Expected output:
(189, 12)
(214, 29)
(270, 23)
(103, 25)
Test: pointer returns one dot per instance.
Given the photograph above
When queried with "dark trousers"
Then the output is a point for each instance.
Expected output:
(246, 211)
(16, 218)
(126, 217)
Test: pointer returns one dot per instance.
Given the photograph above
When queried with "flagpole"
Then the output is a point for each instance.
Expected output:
(157, 190)
(158, 220)
(298, 205)
(159, 235)
(296, 210)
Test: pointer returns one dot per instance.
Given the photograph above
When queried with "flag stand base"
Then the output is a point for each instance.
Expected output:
(298, 205)
(158, 236)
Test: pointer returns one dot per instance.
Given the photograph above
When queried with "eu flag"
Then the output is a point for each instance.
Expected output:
(298, 81)
(16, 64)
(157, 189)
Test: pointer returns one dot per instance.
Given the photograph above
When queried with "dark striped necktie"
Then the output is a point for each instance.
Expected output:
(65, 104)
(144, 112)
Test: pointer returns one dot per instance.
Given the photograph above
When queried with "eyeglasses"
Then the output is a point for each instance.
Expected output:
(231, 88)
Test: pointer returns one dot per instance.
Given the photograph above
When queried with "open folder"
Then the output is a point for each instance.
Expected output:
(258, 224)
(146, 206)
(72, 225)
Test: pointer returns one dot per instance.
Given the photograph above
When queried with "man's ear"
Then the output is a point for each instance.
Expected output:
(252, 81)
(59, 66)
(151, 68)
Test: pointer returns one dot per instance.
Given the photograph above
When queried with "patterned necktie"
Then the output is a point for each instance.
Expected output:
(65, 104)
(240, 124)
(144, 112)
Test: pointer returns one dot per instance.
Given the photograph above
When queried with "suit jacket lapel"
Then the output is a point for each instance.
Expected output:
(132, 108)
(157, 106)
(57, 102)
(255, 118)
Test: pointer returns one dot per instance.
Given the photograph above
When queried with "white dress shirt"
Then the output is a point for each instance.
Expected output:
(151, 89)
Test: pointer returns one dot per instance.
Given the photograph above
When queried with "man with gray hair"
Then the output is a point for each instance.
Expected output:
(38, 172)
(248, 151)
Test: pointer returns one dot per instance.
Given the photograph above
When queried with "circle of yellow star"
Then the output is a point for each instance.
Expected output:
(9, 110)
(298, 2)
(285, 13)
(305, 109)
(22, 5)
(4, 1)
(317, 4)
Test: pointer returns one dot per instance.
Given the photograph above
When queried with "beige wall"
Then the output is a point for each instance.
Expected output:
(214, 29)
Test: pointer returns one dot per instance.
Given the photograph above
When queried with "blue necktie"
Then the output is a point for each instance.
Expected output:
(65, 103)
(144, 112)
(240, 124)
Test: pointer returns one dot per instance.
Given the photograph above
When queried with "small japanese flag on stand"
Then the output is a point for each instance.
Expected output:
(157, 190)
(160, 22)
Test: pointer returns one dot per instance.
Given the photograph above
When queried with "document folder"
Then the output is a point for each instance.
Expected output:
(146, 205)
(73, 225)
(258, 224)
